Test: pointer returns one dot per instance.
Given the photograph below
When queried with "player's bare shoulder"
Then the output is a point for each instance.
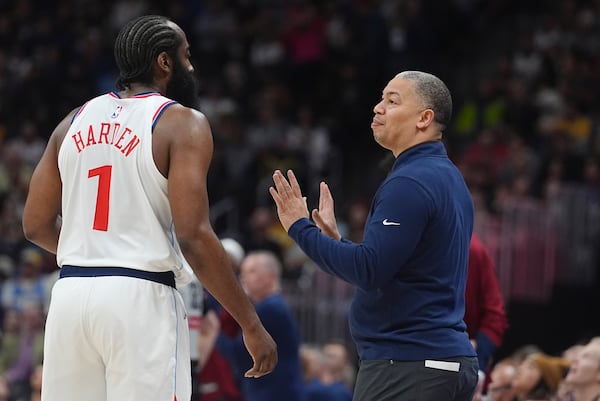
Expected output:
(181, 130)
(59, 133)
(180, 123)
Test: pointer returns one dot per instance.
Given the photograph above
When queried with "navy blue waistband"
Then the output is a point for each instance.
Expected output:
(166, 278)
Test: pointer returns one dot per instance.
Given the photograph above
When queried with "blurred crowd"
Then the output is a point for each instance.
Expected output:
(292, 84)
(529, 373)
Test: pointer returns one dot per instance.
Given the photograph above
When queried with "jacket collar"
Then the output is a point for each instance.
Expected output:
(433, 148)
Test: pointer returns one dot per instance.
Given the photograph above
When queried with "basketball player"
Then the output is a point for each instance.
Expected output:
(126, 172)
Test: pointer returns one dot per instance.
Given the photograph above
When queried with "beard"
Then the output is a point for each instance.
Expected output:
(183, 86)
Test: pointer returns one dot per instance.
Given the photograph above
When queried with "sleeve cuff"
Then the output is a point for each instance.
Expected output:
(297, 227)
(485, 350)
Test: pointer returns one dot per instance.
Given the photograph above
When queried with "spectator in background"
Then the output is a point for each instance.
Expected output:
(311, 140)
(354, 225)
(572, 352)
(339, 374)
(9, 347)
(260, 273)
(217, 379)
(11, 206)
(583, 379)
(524, 351)
(7, 269)
(29, 145)
(22, 347)
(4, 389)
(264, 233)
(305, 43)
(485, 315)
(313, 366)
(35, 384)
(538, 377)
(316, 378)
(236, 253)
(29, 286)
(501, 377)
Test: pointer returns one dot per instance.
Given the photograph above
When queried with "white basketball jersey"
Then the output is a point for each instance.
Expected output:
(115, 209)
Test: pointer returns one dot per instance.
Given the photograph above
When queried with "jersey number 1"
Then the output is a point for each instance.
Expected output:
(102, 197)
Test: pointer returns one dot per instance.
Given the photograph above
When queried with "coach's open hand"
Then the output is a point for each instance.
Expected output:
(324, 216)
(291, 205)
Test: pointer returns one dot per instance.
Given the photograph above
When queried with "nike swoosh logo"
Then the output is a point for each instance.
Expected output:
(386, 222)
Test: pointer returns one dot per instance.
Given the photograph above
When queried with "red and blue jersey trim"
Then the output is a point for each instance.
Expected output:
(160, 110)
(146, 94)
(79, 112)
(156, 115)
(137, 96)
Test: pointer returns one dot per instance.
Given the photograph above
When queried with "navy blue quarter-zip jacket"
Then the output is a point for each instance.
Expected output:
(410, 271)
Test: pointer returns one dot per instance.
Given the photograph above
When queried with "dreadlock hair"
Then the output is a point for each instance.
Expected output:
(138, 44)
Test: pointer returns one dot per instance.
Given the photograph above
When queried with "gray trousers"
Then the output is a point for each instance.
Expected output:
(452, 379)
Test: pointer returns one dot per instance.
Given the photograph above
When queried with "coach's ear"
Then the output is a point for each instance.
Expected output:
(426, 119)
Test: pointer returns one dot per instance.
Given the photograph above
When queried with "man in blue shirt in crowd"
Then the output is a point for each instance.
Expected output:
(260, 276)
(410, 271)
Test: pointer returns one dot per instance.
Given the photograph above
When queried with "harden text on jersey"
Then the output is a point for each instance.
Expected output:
(113, 134)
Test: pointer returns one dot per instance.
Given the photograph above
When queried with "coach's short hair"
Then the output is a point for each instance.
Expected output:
(434, 93)
(138, 44)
